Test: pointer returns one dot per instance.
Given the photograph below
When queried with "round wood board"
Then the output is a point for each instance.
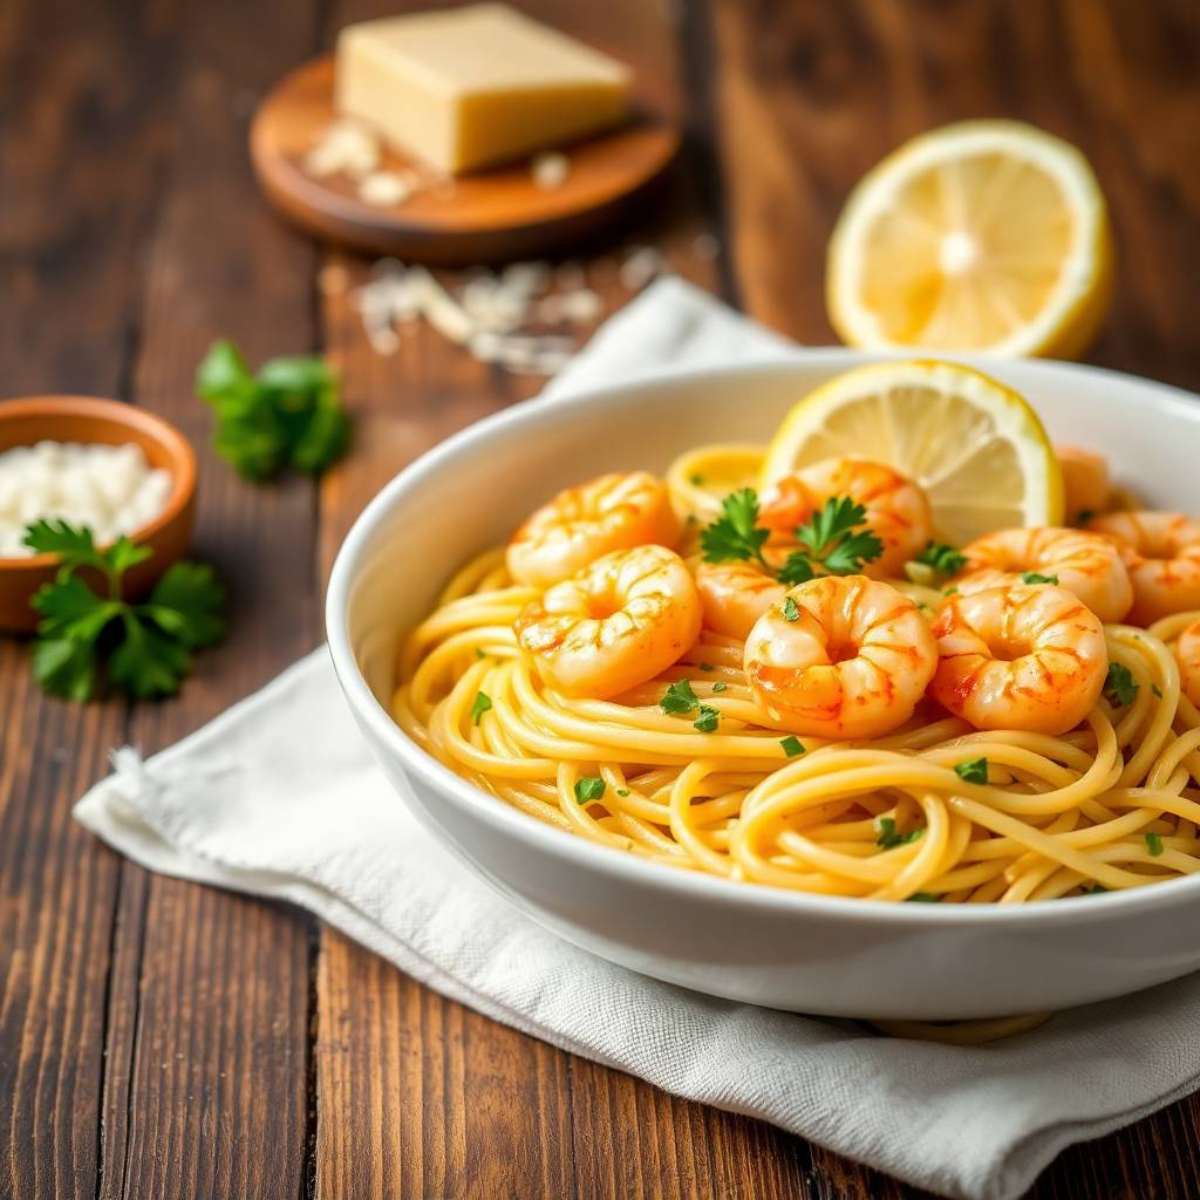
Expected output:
(488, 216)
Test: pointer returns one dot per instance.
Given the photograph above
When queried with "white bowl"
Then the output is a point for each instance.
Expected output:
(744, 942)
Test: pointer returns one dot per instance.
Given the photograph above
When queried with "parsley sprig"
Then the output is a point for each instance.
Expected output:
(831, 540)
(146, 648)
(735, 534)
(288, 415)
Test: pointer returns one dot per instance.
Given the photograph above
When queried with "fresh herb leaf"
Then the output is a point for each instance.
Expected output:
(924, 898)
(791, 611)
(1095, 890)
(708, 719)
(679, 698)
(706, 666)
(696, 480)
(147, 647)
(1154, 844)
(974, 770)
(589, 788)
(735, 535)
(290, 414)
(945, 559)
(1034, 577)
(482, 703)
(186, 603)
(797, 569)
(950, 591)
(622, 792)
(1120, 687)
(720, 685)
(147, 663)
(1156, 690)
(888, 836)
(792, 746)
(830, 540)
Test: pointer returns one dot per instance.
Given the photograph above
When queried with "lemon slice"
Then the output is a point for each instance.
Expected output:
(974, 445)
(987, 236)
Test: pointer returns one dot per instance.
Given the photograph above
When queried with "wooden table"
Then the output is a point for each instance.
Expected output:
(159, 1039)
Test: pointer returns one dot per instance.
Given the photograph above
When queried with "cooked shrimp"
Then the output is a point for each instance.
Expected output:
(1085, 481)
(735, 594)
(613, 512)
(843, 656)
(616, 623)
(1162, 553)
(897, 511)
(1031, 658)
(1084, 563)
(1187, 652)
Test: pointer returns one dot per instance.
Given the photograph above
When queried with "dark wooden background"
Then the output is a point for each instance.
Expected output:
(159, 1039)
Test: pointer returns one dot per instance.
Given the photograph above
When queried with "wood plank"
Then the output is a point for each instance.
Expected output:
(449, 1102)
(70, 244)
(804, 112)
(208, 1029)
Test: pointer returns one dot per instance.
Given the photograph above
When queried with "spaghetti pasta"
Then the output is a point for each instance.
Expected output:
(1112, 804)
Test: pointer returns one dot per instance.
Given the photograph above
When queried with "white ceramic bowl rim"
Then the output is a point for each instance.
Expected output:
(593, 856)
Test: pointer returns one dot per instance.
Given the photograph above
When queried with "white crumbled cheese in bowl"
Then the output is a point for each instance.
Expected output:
(110, 489)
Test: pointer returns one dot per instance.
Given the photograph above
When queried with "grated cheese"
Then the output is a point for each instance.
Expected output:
(110, 489)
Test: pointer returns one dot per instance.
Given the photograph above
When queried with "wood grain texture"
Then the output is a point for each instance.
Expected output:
(206, 1093)
(70, 238)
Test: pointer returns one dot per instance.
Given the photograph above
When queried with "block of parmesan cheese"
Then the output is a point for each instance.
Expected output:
(474, 86)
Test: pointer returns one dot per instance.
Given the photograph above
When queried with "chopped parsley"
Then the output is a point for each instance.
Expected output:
(622, 792)
(1154, 844)
(791, 610)
(719, 686)
(924, 898)
(482, 703)
(950, 591)
(708, 719)
(974, 770)
(944, 559)
(1034, 577)
(792, 746)
(706, 666)
(679, 699)
(696, 480)
(888, 836)
(479, 653)
(1095, 890)
(1120, 687)
(1156, 690)
(589, 788)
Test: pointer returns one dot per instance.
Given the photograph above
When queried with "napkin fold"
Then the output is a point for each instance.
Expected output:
(280, 797)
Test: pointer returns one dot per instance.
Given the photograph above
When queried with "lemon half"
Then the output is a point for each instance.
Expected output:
(986, 236)
(975, 446)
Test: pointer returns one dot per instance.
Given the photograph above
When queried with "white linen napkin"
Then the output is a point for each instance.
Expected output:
(280, 797)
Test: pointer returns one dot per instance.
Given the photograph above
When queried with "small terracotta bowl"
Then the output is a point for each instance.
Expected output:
(34, 419)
